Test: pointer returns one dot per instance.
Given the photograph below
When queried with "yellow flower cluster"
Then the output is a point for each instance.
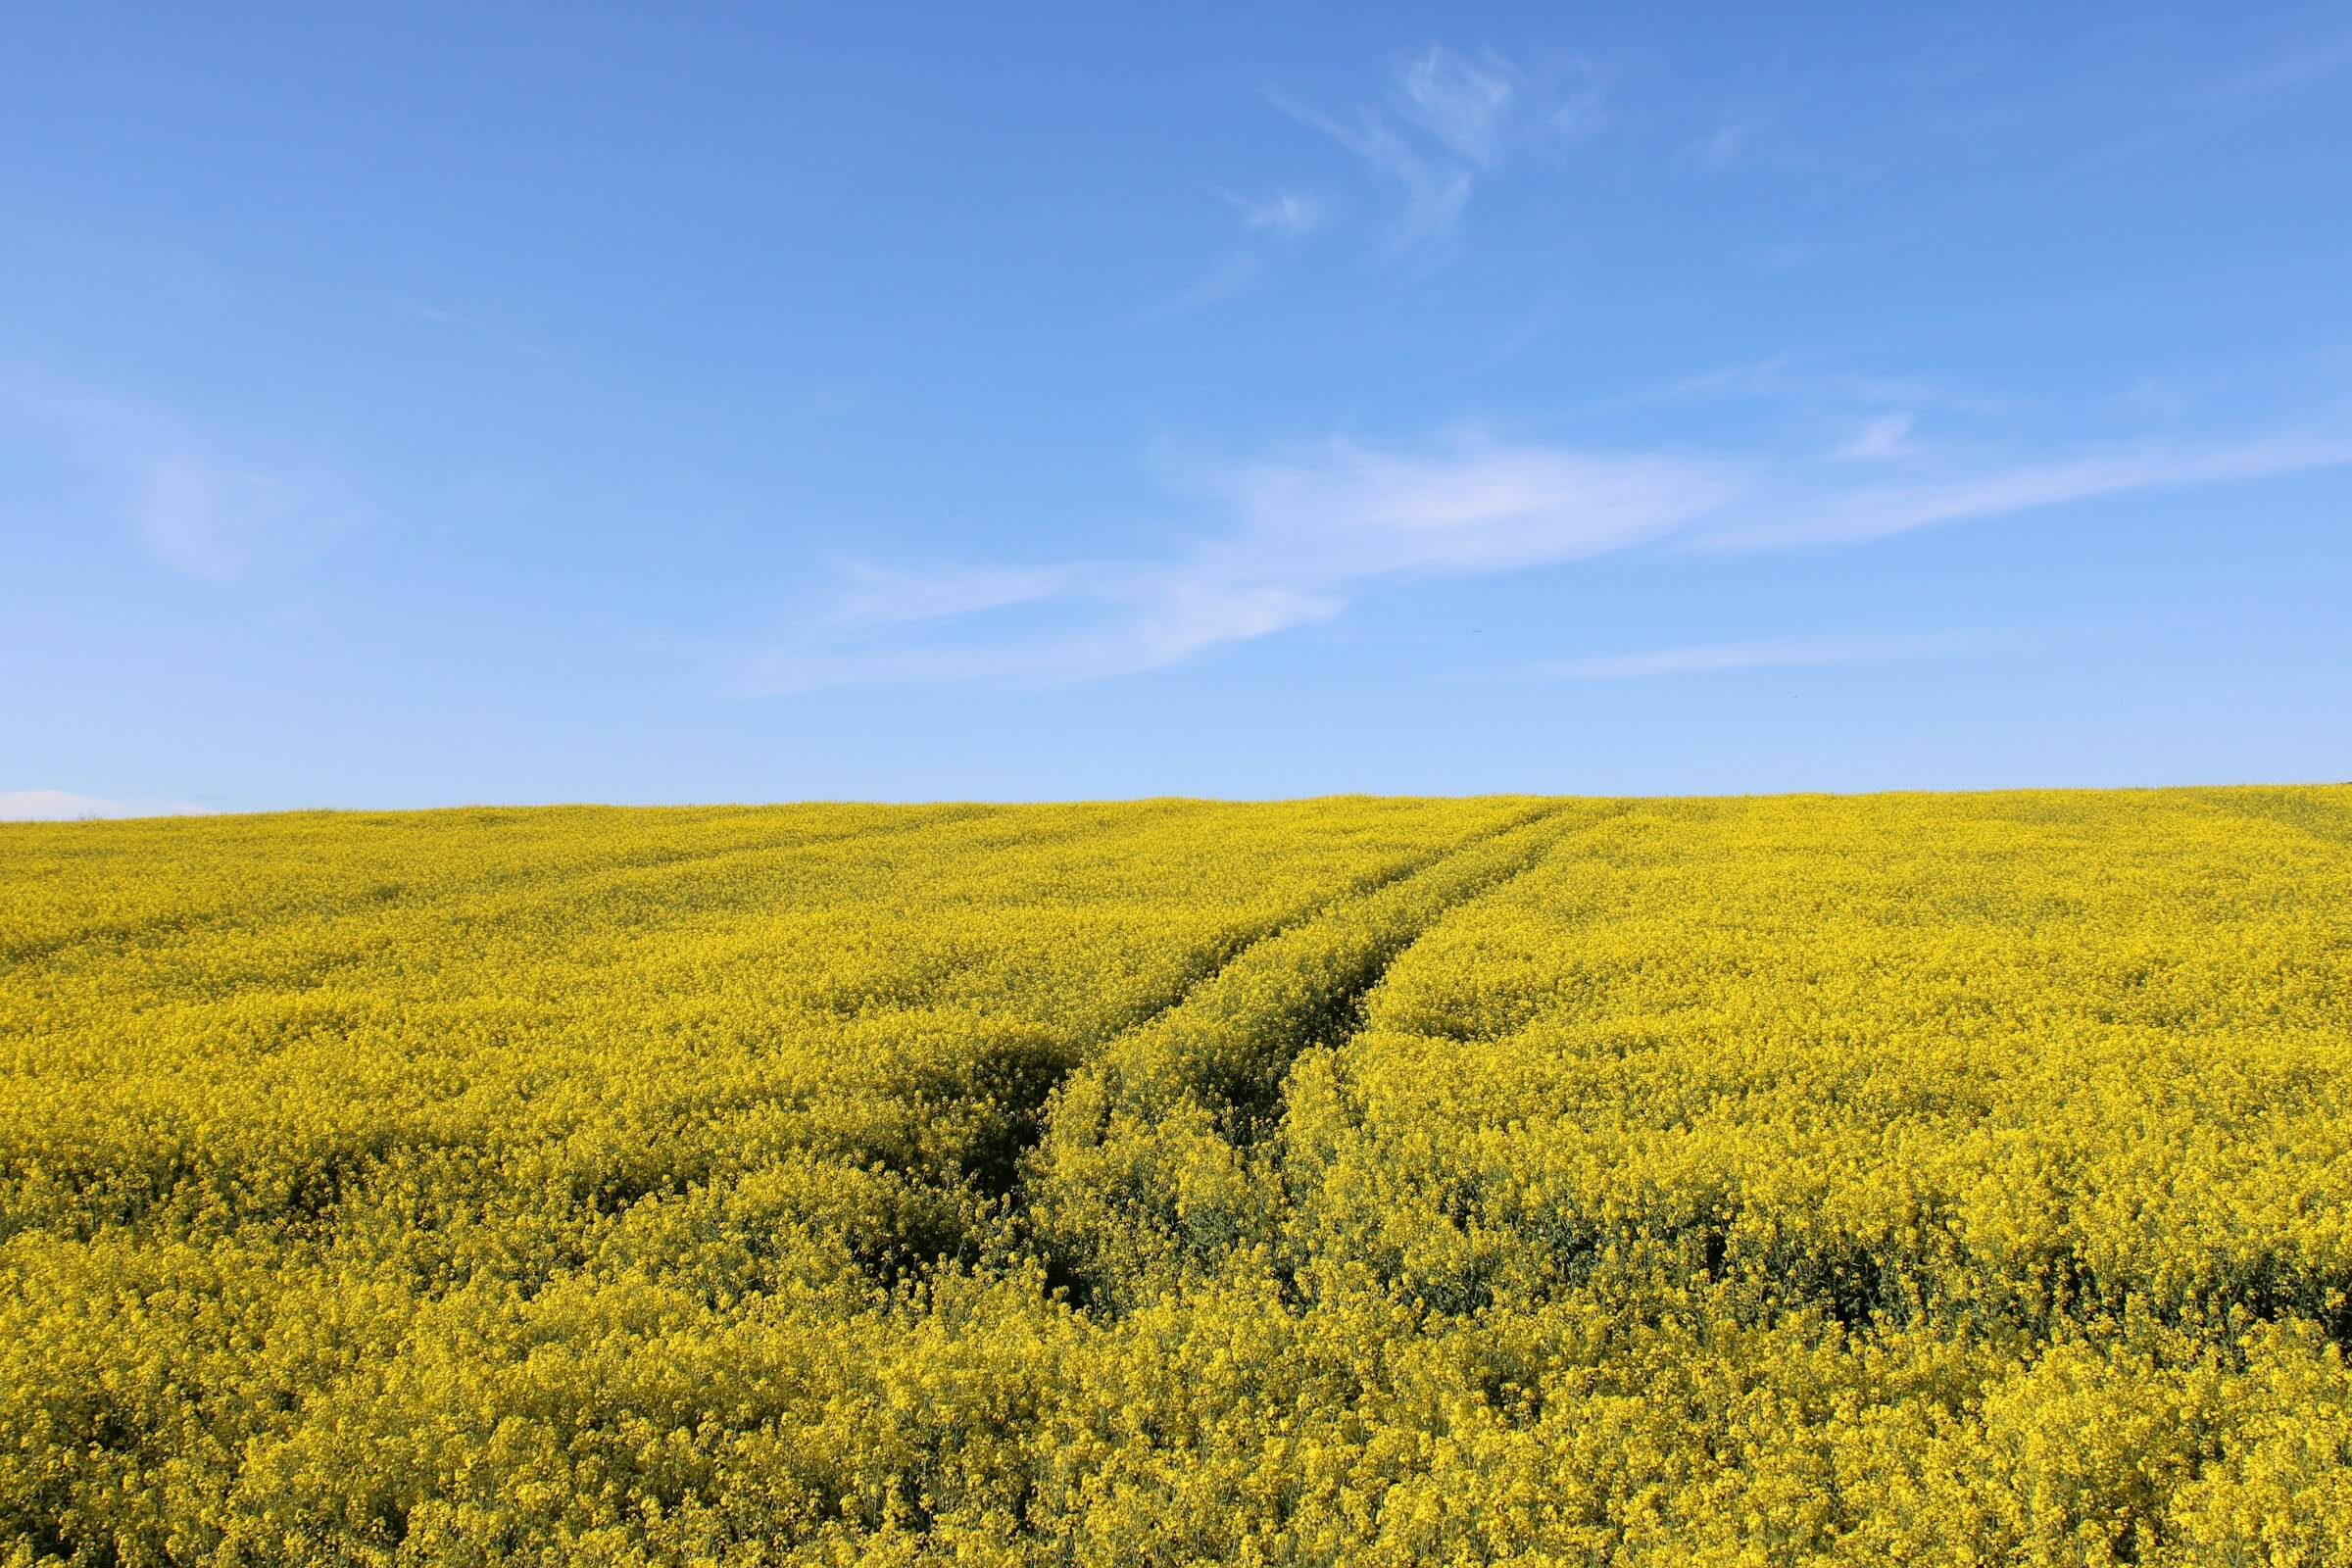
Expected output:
(1944, 1179)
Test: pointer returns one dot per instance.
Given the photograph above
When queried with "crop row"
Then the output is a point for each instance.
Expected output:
(1944, 1180)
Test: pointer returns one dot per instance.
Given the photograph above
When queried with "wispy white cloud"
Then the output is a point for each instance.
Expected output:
(1882, 438)
(2295, 68)
(1462, 104)
(1342, 512)
(1812, 384)
(1133, 620)
(875, 596)
(1291, 213)
(214, 516)
(1221, 282)
(64, 805)
(1307, 532)
(417, 309)
(1449, 120)
(1753, 377)
(1773, 653)
(1958, 494)
(1758, 137)
(1725, 147)
(198, 507)
(1525, 333)
(1434, 190)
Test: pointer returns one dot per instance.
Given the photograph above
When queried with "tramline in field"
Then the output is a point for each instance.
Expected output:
(1923, 1178)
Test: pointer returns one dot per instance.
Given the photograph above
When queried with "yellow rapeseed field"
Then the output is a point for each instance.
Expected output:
(1901, 1179)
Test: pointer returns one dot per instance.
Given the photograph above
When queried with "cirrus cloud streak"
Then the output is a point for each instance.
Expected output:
(1306, 532)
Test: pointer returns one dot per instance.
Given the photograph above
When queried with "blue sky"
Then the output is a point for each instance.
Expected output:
(407, 407)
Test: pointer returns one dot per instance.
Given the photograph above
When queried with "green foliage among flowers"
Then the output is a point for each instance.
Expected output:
(1901, 1179)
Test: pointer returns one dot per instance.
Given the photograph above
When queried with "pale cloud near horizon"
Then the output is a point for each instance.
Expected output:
(198, 508)
(1958, 494)
(64, 805)
(1771, 654)
(1155, 621)
(1306, 532)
